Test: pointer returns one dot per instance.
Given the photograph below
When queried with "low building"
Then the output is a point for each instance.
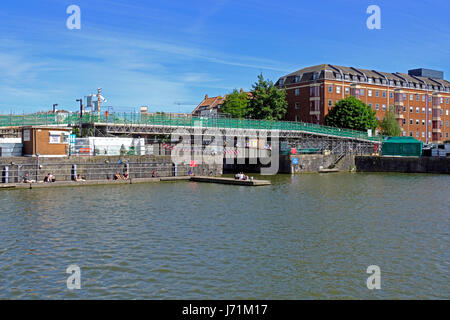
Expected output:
(45, 141)
(209, 107)
(402, 147)
(11, 147)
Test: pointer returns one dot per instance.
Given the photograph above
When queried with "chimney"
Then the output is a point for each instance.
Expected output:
(206, 96)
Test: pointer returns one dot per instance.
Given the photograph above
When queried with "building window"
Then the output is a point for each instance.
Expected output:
(330, 89)
(296, 118)
(423, 110)
(377, 107)
(411, 121)
(423, 122)
(417, 109)
(411, 109)
(377, 93)
(330, 103)
(297, 105)
(446, 112)
(410, 134)
(297, 92)
(391, 95)
(417, 134)
(411, 97)
(338, 89)
(423, 134)
(384, 107)
(347, 90)
(369, 92)
(370, 80)
(384, 94)
(297, 79)
(417, 121)
(55, 138)
(362, 92)
(370, 105)
(423, 98)
(404, 121)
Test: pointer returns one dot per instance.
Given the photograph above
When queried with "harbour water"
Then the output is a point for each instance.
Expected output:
(304, 237)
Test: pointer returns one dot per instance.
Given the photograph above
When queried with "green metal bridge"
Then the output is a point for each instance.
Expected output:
(129, 123)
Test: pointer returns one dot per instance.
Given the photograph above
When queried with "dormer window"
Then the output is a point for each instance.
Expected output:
(315, 76)
(338, 76)
(297, 79)
(370, 80)
(346, 77)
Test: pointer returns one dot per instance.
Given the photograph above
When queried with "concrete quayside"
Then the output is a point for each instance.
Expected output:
(219, 180)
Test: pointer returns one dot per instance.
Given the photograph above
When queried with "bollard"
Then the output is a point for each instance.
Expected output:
(5, 174)
(74, 172)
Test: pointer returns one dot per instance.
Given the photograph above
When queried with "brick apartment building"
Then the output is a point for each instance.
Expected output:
(421, 98)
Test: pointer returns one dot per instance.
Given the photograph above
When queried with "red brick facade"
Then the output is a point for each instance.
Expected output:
(312, 92)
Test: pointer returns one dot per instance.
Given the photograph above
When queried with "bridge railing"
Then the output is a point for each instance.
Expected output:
(185, 121)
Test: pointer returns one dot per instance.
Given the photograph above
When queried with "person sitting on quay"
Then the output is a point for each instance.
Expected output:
(49, 178)
(154, 174)
(190, 173)
(117, 176)
(125, 175)
(78, 178)
(26, 179)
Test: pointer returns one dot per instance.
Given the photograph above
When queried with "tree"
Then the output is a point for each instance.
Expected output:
(352, 113)
(236, 104)
(389, 125)
(267, 101)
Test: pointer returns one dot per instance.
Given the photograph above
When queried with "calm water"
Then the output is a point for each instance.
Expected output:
(304, 237)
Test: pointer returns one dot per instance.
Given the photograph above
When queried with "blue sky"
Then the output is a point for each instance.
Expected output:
(169, 54)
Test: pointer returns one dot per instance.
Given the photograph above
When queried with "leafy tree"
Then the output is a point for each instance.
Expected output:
(267, 101)
(236, 104)
(389, 125)
(352, 113)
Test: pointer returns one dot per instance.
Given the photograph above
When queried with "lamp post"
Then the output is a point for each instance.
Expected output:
(81, 116)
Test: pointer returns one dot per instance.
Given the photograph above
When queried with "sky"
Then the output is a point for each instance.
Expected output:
(168, 54)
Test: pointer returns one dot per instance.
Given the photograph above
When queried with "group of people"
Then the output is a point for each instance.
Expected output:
(117, 176)
(49, 178)
(241, 176)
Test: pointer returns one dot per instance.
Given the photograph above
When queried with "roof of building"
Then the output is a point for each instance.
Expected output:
(402, 140)
(213, 102)
(352, 74)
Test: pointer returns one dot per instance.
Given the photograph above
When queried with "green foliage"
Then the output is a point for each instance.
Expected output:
(389, 125)
(268, 102)
(236, 104)
(351, 113)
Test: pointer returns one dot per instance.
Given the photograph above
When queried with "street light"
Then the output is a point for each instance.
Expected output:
(54, 107)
